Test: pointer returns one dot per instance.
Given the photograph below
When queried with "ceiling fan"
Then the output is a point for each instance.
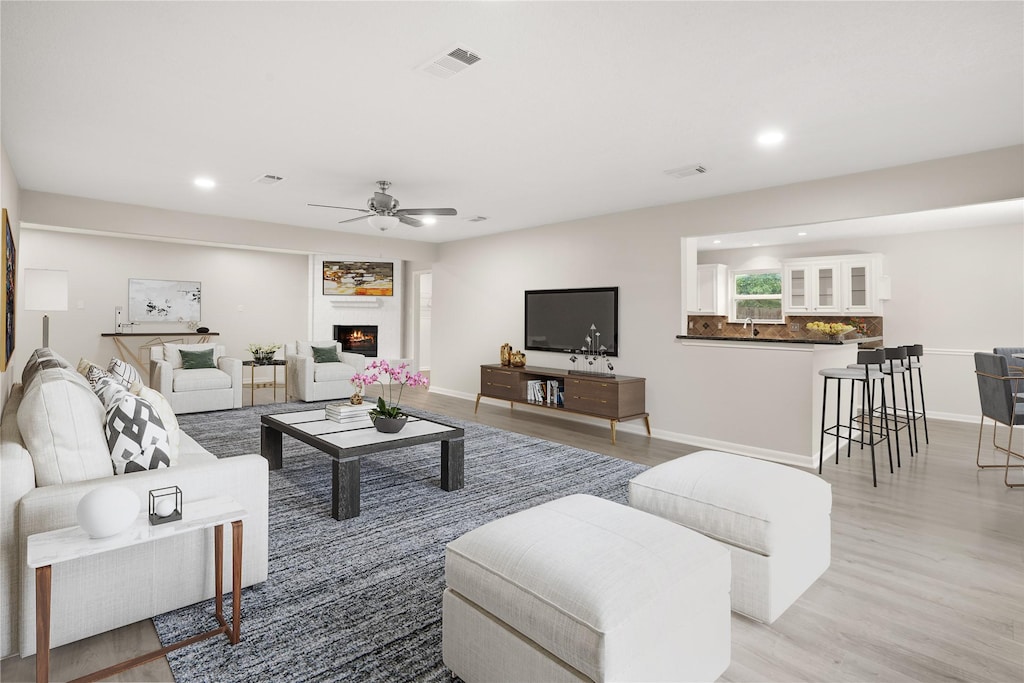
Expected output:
(383, 212)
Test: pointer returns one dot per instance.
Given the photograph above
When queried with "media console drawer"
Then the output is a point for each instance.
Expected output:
(612, 398)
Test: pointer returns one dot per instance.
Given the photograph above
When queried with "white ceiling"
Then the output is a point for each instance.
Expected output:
(576, 109)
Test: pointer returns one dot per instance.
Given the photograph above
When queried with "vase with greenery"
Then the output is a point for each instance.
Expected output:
(388, 415)
(263, 354)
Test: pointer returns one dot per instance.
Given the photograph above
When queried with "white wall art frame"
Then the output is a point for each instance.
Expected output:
(164, 301)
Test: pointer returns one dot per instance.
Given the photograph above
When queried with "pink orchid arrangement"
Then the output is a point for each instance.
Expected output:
(377, 372)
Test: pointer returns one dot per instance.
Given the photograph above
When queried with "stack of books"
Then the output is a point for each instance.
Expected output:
(337, 411)
(544, 391)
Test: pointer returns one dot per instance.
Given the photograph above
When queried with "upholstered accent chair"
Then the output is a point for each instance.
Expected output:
(1002, 400)
(315, 375)
(196, 389)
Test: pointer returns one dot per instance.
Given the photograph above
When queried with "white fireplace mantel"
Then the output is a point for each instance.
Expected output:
(361, 302)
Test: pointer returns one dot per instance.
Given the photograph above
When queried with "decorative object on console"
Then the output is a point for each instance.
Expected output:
(10, 266)
(165, 505)
(830, 330)
(107, 510)
(593, 351)
(164, 300)
(46, 290)
(202, 330)
(377, 372)
(517, 359)
(506, 354)
(263, 354)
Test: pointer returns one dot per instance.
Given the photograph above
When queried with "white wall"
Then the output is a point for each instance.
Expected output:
(248, 296)
(951, 292)
(9, 198)
(639, 251)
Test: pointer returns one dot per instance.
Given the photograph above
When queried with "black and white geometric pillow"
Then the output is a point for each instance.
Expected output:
(136, 436)
(108, 389)
(125, 373)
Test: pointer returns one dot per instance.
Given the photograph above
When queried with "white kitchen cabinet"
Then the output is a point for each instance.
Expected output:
(712, 295)
(834, 285)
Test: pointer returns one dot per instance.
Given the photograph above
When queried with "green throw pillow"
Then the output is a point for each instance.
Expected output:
(325, 354)
(195, 360)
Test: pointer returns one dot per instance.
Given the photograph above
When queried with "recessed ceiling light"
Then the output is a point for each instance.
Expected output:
(717, 242)
(770, 138)
(801, 234)
(756, 244)
(428, 220)
(205, 183)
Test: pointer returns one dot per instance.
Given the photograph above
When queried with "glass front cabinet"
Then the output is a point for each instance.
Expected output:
(835, 285)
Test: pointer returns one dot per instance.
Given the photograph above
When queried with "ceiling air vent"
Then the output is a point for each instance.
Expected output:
(478, 219)
(686, 171)
(268, 179)
(450, 63)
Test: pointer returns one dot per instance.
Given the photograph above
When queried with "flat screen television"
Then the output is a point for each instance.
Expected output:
(559, 319)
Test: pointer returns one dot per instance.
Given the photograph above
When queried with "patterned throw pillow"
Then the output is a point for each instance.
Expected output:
(197, 360)
(136, 435)
(91, 371)
(108, 389)
(125, 373)
(326, 354)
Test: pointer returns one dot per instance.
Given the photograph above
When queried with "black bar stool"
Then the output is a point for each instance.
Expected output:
(868, 371)
(913, 362)
(902, 418)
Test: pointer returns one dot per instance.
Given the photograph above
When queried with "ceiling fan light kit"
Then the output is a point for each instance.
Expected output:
(383, 212)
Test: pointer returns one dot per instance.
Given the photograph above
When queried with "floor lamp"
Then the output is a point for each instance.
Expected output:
(45, 290)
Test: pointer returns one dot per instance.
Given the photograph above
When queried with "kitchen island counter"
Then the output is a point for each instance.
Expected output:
(762, 340)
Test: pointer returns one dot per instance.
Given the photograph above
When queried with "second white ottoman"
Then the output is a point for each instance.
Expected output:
(775, 519)
(584, 589)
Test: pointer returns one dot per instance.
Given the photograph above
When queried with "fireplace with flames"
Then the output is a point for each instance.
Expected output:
(357, 339)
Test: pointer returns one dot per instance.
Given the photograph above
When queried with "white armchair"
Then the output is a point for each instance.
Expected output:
(200, 389)
(312, 381)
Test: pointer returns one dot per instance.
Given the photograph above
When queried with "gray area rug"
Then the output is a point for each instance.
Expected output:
(360, 600)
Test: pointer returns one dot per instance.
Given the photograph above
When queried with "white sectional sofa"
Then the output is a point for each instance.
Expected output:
(52, 452)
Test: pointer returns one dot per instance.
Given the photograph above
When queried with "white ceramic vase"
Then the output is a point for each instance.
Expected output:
(108, 510)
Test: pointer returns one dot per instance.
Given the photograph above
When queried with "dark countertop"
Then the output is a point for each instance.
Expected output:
(761, 340)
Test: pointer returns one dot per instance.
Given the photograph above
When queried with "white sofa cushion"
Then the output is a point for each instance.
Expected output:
(332, 372)
(173, 356)
(125, 373)
(61, 422)
(201, 379)
(746, 502)
(305, 348)
(135, 435)
(594, 583)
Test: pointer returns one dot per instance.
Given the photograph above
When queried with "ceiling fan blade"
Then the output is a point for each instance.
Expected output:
(428, 212)
(357, 218)
(347, 208)
(409, 220)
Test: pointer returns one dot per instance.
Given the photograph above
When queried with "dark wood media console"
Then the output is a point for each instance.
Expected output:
(615, 399)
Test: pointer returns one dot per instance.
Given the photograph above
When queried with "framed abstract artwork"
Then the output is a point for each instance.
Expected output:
(164, 301)
(359, 278)
(10, 261)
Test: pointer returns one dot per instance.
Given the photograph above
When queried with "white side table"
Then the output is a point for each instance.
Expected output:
(53, 547)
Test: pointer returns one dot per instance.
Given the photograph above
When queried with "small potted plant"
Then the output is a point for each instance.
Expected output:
(263, 354)
(387, 415)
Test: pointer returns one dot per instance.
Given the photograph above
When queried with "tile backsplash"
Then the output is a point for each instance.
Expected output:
(708, 326)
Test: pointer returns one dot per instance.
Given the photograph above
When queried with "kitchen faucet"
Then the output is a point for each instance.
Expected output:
(751, 322)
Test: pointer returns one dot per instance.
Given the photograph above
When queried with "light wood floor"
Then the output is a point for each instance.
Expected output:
(926, 582)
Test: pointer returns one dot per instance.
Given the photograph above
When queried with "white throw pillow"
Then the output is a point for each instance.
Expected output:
(172, 352)
(167, 416)
(61, 422)
(135, 435)
(305, 348)
(126, 374)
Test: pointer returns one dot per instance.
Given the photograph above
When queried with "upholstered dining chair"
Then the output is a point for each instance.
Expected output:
(1016, 364)
(196, 377)
(1002, 401)
(320, 370)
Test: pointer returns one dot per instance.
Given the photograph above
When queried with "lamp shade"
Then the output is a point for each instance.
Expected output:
(382, 223)
(46, 290)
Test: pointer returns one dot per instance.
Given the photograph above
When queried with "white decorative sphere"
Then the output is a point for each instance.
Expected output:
(164, 508)
(108, 510)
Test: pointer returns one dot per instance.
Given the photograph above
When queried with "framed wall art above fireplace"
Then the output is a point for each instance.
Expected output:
(359, 278)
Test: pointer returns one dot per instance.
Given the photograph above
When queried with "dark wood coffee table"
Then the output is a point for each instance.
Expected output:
(354, 436)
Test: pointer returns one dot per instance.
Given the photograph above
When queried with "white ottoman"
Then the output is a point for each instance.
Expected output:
(776, 520)
(583, 589)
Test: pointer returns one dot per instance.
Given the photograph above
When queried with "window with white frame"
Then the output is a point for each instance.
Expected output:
(755, 295)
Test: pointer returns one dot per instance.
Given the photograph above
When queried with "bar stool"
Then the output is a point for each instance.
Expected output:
(913, 362)
(868, 371)
(903, 418)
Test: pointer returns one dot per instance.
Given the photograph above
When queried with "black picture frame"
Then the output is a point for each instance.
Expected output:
(10, 261)
(359, 278)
